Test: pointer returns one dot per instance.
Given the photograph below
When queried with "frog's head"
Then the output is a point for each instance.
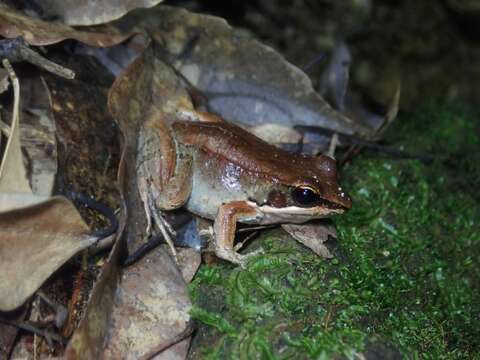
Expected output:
(315, 193)
(321, 188)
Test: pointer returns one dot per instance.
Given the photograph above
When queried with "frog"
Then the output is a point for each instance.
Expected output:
(219, 171)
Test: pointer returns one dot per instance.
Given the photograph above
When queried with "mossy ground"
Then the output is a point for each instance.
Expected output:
(406, 272)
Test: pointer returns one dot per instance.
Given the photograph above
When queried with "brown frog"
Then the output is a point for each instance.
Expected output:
(219, 171)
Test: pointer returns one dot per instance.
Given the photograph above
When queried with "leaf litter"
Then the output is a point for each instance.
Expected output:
(35, 239)
(38, 233)
(37, 32)
(230, 73)
(152, 294)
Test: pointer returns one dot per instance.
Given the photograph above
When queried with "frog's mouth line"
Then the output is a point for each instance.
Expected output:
(331, 205)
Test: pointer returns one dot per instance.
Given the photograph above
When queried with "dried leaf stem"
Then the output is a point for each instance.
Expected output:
(18, 50)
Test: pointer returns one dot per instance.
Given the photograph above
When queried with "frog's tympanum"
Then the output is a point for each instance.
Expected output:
(221, 172)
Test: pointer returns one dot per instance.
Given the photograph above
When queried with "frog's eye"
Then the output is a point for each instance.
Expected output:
(305, 196)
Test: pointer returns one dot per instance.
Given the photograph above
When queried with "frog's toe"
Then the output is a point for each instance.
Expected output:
(252, 254)
(244, 259)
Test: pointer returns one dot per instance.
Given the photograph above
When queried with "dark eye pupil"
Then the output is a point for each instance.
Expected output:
(304, 196)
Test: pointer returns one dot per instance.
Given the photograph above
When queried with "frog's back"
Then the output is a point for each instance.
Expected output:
(245, 150)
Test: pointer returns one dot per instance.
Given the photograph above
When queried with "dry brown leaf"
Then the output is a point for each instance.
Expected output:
(189, 261)
(151, 307)
(146, 87)
(128, 100)
(86, 12)
(34, 242)
(276, 134)
(34, 135)
(242, 79)
(38, 32)
(12, 201)
(313, 235)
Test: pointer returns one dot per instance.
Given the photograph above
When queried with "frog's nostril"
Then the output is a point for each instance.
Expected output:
(331, 205)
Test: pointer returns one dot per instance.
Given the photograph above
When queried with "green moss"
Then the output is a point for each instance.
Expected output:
(406, 271)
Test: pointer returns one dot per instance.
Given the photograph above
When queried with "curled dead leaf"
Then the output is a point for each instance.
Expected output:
(85, 12)
(34, 135)
(313, 235)
(38, 32)
(34, 242)
(151, 308)
(240, 78)
(151, 303)
(12, 201)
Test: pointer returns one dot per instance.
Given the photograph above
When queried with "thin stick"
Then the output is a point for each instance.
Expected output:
(254, 228)
(169, 343)
(345, 139)
(4, 129)
(16, 88)
(18, 50)
(35, 330)
(333, 145)
(61, 312)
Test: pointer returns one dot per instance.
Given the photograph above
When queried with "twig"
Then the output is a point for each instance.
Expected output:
(91, 203)
(327, 318)
(61, 312)
(17, 50)
(391, 114)
(254, 228)
(48, 335)
(240, 244)
(16, 88)
(107, 163)
(145, 248)
(316, 60)
(169, 343)
(4, 129)
(333, 145)
(345, 139)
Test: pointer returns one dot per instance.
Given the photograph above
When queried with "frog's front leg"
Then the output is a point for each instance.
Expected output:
(224, 229)
(164, 173)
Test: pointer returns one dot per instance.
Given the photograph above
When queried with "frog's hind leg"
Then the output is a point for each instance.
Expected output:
(154, 215)
(163, 226)
(164, 176)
